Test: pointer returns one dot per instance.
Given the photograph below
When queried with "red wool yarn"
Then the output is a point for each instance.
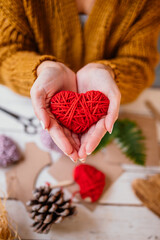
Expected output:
(90, 180)
(78, 112)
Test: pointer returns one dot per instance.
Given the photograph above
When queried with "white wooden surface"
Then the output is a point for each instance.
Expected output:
(120, 215)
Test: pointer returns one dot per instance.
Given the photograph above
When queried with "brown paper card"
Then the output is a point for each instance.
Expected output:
(64, 167)
(21, 178)
(148, 127)
(113, 154)
(109, 160)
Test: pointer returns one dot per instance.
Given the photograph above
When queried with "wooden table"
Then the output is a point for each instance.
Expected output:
(120, 215)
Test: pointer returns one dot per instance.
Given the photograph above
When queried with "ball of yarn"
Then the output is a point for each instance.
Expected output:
(48, 142)
(90, 180)
(9, 152)
(78, 112)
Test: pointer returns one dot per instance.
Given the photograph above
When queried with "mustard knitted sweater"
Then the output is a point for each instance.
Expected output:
(122, 34)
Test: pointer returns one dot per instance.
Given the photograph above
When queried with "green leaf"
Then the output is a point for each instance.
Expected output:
(129, 138)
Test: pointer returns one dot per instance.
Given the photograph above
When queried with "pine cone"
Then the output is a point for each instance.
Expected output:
(47, 207)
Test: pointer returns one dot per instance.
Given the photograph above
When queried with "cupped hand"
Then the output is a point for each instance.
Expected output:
(95, 76)
(52, 78)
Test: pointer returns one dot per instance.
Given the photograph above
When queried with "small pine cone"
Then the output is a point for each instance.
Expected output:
(48, 207)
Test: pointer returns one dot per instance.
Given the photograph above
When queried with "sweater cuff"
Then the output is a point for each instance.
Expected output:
(39, 61)
(18, 71)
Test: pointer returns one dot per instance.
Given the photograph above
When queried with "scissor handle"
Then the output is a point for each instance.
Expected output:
(30, 129)
(34, 121)
(30, 125)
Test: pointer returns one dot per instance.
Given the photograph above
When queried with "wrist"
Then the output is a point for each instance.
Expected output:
(49, 64)
(107, 68)
(110, 70)
(101, 66)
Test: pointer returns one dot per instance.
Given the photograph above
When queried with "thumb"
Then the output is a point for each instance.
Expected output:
(38, 97)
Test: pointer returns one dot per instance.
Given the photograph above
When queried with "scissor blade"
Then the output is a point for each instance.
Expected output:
(9, 113)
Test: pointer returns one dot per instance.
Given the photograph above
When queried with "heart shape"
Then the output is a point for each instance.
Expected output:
(79, 111)
(90, 180)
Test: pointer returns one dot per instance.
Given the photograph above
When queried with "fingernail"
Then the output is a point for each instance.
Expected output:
(89, 153)
(82, 160)
(73, 160)
(65, 153)
(111, 130)
(42, 124)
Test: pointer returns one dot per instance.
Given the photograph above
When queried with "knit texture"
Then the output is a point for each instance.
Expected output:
(122, 34)
(9, 153)
(90, 180)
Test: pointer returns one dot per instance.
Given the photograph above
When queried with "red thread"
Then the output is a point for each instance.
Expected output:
(73, 195)
(90, 180)
(48, 184)
(78, 112)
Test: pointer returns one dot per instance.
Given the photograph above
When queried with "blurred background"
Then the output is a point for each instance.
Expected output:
(157, 81)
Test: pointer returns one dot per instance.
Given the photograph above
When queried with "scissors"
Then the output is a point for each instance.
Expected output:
(31, 125)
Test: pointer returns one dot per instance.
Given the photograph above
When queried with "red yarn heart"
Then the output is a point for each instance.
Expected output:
(77, 111)
(90, 180)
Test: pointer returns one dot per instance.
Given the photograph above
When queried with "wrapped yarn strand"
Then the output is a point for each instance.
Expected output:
(78, 112)
(90, 180)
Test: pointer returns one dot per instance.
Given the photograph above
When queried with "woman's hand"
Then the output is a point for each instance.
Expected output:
(52, 78)
(95, 76)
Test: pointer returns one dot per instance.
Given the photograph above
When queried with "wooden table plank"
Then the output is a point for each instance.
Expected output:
(105, 223)
(120, 215)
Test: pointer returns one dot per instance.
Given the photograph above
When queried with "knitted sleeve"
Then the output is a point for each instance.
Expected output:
(137, 56)
(19, 57)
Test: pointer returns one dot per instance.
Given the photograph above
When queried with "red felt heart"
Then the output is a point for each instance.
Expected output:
(90, 180)
(77, 111)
